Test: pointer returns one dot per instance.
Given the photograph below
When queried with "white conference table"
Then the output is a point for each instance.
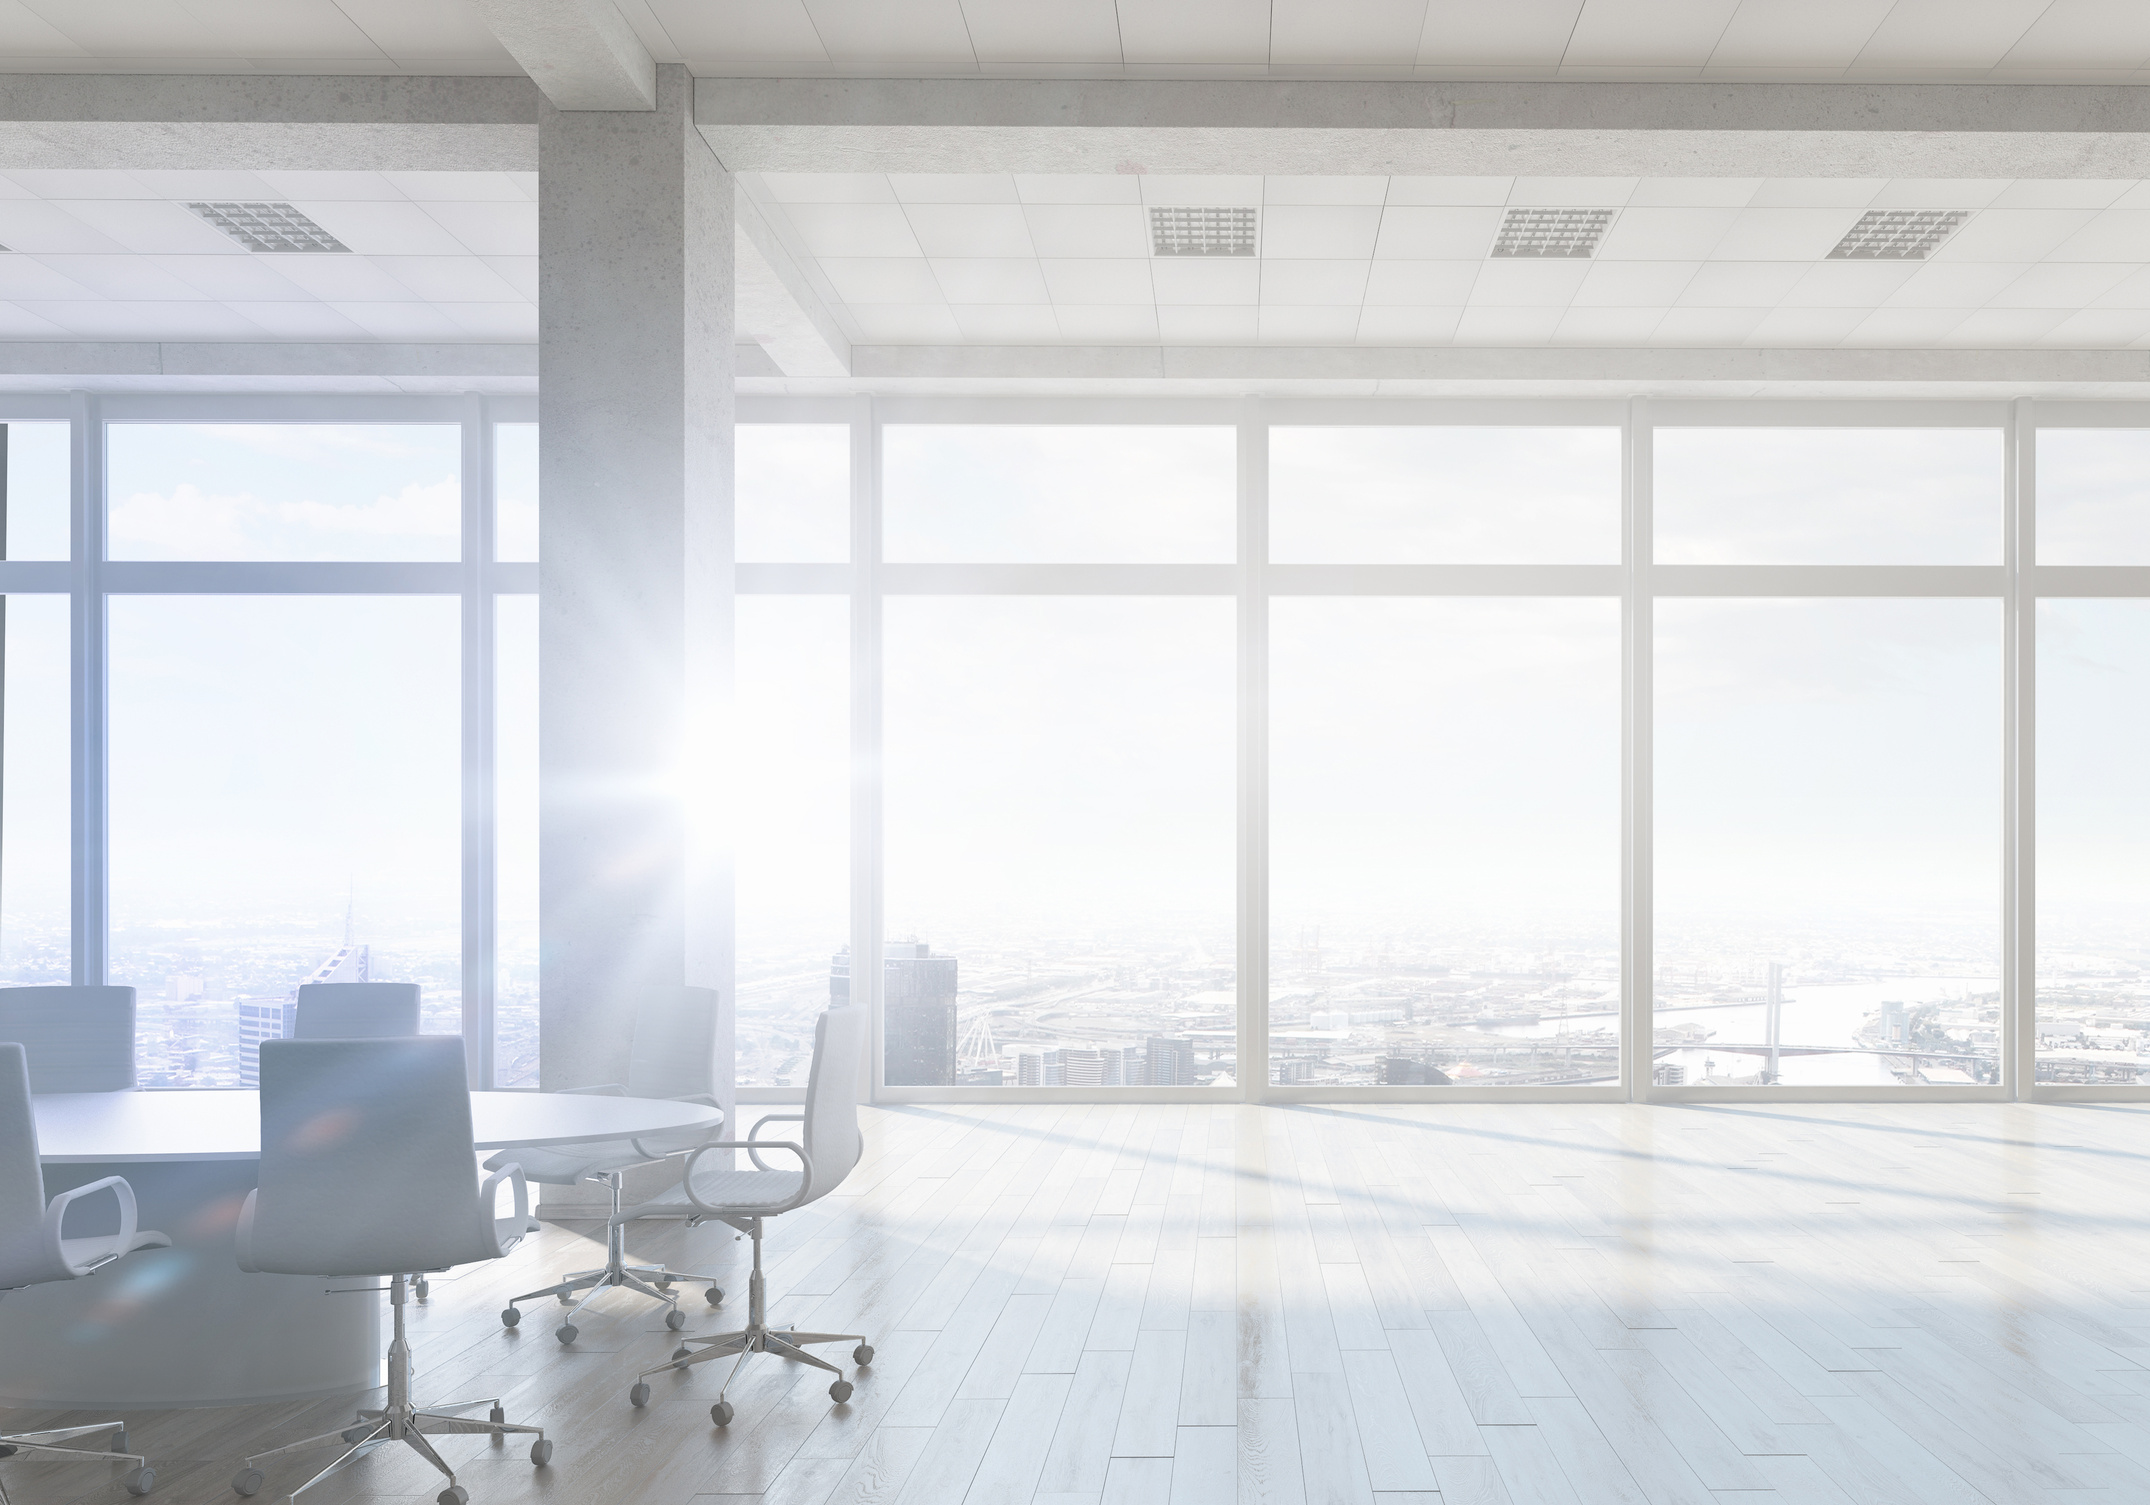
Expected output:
(185, 1326)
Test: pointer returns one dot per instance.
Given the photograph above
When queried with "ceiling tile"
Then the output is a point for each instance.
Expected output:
(1941, 284)
(1089, 230)
(1507, 326)
(873, 34)
(1848, 284)
(2099, 328)
(1191, 189)
(1450, 190)
(1705, 326)
(399, 228)
(449, 279)
(1665, 234)
(519, 272)
(115, 320)
(1527, 284)
(401, 321)
(2062, 284)
(1107, 323)
(1022, 31)
(906, 323)
(205, 185)
(1518, 34)
(970, 228)
(1123, 280)
(1607, 326)
(491, 228)
(1091, 188)
(2002, 327)
(1443, 234)
(16, 320)
(305, 320)
(2114, 235)
(366, 187)
(1661, 33)
(458, 187)
(338, 279)
(1206, 281)
(1939, 193)
(1817, 193)
(152, 226)
(135, 278)
(34, 225)
(1936, 34)
(1694, 193)
(881, 279)
(494, 321)
(82, 183)
(1740, 284)
(2064, 193)
(1309, 326)
(1324, 230)
(827, 187)
(2072, 34)
(1317, 190)
(752, 31)
(1635, 284)
(25, 277)
(1774, 234)
(2014, 235)
(1809, 34)
(1383, 325)
(982, 279)
(1007, 324)
(1212, 32)
(1305, 283)
(853, 229)
(1429, 283)
(1806, 326)
(1345, 31)
(1573, 193)
(233, 279)
(1905, 326)
(953, 187)
(1208, 326)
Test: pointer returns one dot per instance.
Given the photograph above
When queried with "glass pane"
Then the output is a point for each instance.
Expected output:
(39, 485)
(1828, 853)
(35, 794)
(2094, 496)
(1828, 496)
(1445, 904)
(300, 491)
(794, 833)
(515, 841)
(1025, 494)
(794, 493)
(285, 804)
(1444, 495)
(1060, 827)
(515, 493)
(2093, 841)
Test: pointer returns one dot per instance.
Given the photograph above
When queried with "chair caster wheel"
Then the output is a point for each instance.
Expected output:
(681, 1352)
(7, 1451)
(568, 1333)
(840, 1391)
(421, 1288)
(141, 1481)
(247, 1481)
(714, 1295)
(355, 1435)
(454, 1494)
(564, 1299)
(510, 1317)
(862, 1355)
(638, 1394)
(541, 1452)
(675, 1319)
(662, 1282)
(721, 1413)
(497, 1414)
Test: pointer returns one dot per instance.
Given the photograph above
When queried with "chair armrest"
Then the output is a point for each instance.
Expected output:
(609, 1089)
(700, 1100)
(56, 1214)
(754, 1134)
(489, 1189)
(806, 1179)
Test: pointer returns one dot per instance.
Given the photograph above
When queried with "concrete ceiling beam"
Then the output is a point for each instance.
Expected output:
(581, 53)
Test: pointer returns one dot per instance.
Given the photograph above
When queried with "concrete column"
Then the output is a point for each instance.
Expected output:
(635, 465)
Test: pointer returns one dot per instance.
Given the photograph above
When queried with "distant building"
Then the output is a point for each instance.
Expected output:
(1296, 1070)
(1895, 1024)
(1670, 1074)
(273, 1018)
(918, 1012)
(1120, 1066)
(1404, 1071)
(1168, 1062)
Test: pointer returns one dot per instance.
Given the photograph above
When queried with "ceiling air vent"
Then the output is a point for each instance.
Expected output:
(1202, 232)
(268, 227)
(1556, 234)
(1898, 234)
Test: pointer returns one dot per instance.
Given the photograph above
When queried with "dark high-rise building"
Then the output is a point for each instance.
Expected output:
(1168, 1062)
(918, 1012)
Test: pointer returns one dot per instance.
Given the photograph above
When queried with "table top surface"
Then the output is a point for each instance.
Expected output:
(139, 1127)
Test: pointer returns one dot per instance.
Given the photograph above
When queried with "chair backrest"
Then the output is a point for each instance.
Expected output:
(366, 1163)
(675, 1044)
(78, 1039)
(22, 1180)
(356, 1010)
(832, 1098)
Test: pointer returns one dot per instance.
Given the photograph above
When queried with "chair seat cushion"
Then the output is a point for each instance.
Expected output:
(746, 1191)
(566, 1164)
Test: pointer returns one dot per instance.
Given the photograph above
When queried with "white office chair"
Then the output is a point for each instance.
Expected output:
(356, 1011)
(80, 1039)
(673, 1056)
(35, 1249)
(365, 1172)
(744, 1198)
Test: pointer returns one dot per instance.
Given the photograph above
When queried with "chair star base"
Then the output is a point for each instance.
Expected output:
(44, 1445)
(400, 1421)
(653, 1281)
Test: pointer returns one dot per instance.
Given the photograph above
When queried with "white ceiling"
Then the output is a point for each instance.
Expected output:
(1704, 262)
(110, 255)
(2032, 40)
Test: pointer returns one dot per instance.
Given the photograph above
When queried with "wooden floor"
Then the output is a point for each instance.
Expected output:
(1133, 1305)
